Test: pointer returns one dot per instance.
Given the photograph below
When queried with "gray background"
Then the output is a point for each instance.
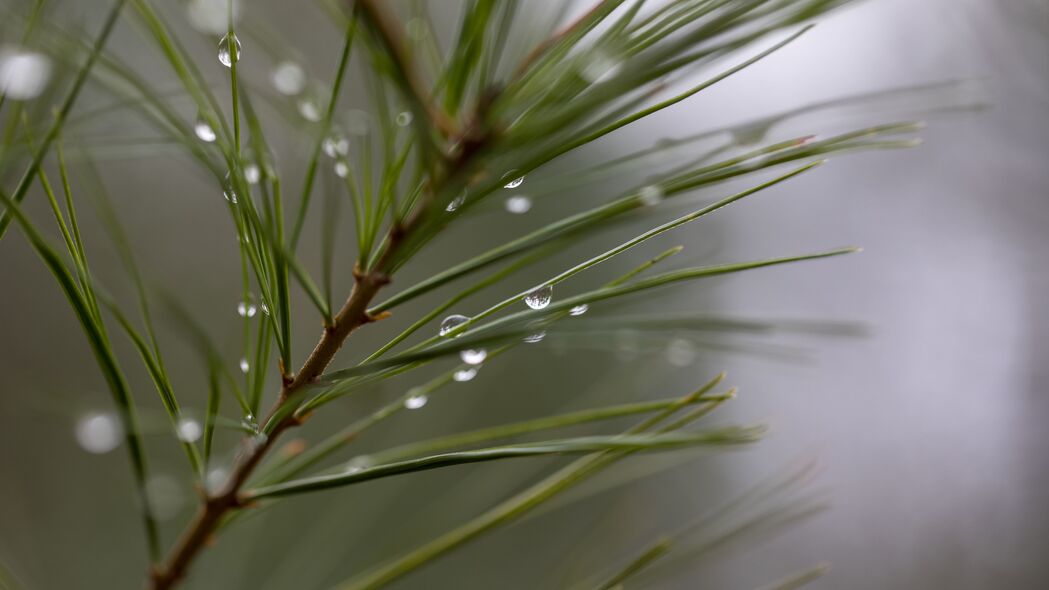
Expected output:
(931, 429)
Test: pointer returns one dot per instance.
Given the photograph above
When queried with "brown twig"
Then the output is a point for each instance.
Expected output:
(352, 315)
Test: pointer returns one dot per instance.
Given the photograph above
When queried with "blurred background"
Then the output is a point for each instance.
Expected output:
(929, 427)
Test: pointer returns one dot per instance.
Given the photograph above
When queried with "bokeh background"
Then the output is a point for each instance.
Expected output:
(930, 427)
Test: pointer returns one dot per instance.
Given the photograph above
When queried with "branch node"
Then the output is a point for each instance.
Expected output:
(382, 315)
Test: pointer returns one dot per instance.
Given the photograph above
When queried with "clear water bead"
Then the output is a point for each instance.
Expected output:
(228, 191)
(516, 182)
(456, 203)
(188, 430)
(518, 204)
(473, 356)
(23, 74)
(246, 309)
(539, 297)
(650, 195)
(203, 130)
(335, 145)
(342, 169)
(309, 109)
(249, 424)
(466, 374)
(414, 402)
(244, 366)
(288, 78)
(450, 323)
(579, 309)
(535, 338)
(358, 463)
(229, 50)
(99, 432)
(252, 173)
(404, 118)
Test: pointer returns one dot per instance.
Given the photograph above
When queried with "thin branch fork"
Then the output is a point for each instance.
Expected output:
(352, 315)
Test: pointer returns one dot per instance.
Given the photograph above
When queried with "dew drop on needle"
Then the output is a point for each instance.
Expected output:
(99, 432)
(450, 323)
(229, 50)
(473, 356)
(414, 402)
(539, 297)
(203, 130)
(465, 374)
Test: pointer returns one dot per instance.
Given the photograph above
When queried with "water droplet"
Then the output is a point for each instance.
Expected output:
(246, 309)
(248, 421)
(335, 145)
(203, 129)
(244, 366)
(681, 352)
(188, 430)
(211, 16)
(456, 202)
(404, 118)
(215, 478)
(465, 374)
(579, 309)
(539, 297)
(229, 50)
(416, 401)
(650, 195)
(99, 432)
(165, 495)
(534, 338)
(358, 463)
(288, 78)
(600, 68)
(252, 173)
(516, 182)
(309, 109)
(228, 191)
(473, 356)
(342, 169)
(23, 74)
(450, 323)
(518, 204)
